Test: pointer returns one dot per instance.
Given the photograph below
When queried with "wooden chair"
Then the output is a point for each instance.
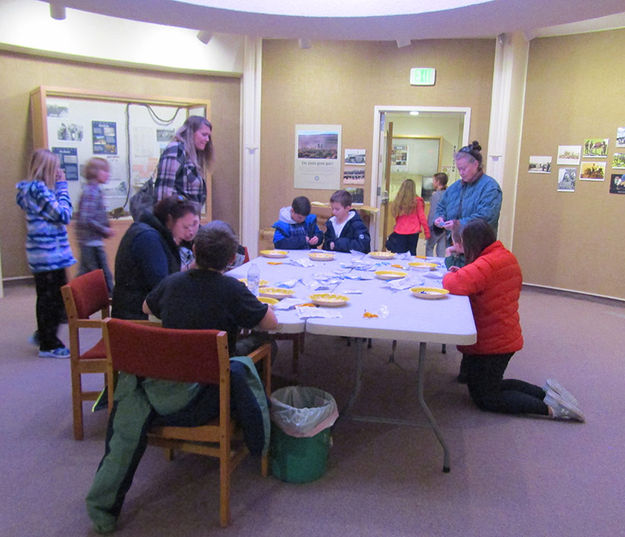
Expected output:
(188, 356)
(83, 297)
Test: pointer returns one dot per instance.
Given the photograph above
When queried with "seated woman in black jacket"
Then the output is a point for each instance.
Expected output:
(149, 251)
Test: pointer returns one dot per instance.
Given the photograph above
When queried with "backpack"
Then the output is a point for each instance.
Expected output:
(143, 200)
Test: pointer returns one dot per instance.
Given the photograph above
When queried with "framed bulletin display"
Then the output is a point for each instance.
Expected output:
(129, 132)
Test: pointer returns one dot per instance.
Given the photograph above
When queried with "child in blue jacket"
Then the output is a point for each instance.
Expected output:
(345, 231)
(297, 229)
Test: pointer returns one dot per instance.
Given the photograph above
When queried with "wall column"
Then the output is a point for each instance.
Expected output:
(250, 144)
(506, 121)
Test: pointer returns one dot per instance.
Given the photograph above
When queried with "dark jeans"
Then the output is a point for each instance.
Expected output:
(490, 392)
(93, 258)
(49, 308)
(402, 243)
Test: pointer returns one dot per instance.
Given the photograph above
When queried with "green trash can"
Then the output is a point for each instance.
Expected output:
(300, 432)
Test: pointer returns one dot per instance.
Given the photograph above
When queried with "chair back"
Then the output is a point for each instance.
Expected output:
(167, 353)
(85, 295)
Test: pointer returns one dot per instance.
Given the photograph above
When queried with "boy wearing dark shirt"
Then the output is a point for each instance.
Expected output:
(345, 231)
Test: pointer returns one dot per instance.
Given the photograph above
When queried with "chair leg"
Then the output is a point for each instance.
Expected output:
(444, 349)
(264, 465)
(296, 351)
(224, 490)
(391, 358)
(77, 405)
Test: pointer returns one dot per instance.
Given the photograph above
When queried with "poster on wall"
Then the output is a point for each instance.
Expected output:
(620, 137)
(566, 179)
(317, 148)
(355, 157)
(104, 135)
(69, 161)
(399, 155)
(617, 184)
(358, 194)
(595, 148)
(355, 176)
(539, 164)
(569, 155)
(592, 171)
(618, 161)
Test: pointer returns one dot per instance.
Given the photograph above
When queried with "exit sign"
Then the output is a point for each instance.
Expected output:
(422, 76)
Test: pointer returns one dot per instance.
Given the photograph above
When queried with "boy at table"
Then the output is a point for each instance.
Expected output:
(200, 298)
(345, 230)
(297, 229)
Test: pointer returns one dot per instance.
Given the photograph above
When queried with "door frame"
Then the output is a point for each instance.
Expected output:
(377, 154)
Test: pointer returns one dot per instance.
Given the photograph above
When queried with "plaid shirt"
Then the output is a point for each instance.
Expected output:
(176, 174)
(93, 222)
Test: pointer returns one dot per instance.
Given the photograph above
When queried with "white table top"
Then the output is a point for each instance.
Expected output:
(447, 320)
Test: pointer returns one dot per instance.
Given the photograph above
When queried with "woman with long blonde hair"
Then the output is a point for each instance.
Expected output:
(45, 199)
(408, 210)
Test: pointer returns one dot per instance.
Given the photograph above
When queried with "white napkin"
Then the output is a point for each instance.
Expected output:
(287, 303)
(289, 284)
(404, 283)
(303, 262)
(351, 291)
(307, 312)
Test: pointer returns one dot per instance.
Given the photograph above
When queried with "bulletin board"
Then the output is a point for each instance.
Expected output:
(129, 132)
(417, 158)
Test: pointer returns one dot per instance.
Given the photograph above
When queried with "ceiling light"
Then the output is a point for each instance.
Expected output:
(57, 11)
(204, 36)
(403, 43)
(414, 113)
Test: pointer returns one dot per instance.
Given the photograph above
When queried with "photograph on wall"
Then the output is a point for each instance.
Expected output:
(620, 137)
(70, 132)
(569, 155)
(595, 148)
(316, 156)
(57, 110)
(618, 161)
(355, 176)
(355, 157)
(592, 171)
(69, 161)
(104, 135)
(399, 155)
(566, 179)
(358, 194)
(617, 183)
(539, 164)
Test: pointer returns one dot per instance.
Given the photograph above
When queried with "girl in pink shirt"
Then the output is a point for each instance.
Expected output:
(407, 209)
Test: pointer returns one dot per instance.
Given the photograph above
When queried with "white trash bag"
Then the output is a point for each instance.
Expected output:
(302, 411)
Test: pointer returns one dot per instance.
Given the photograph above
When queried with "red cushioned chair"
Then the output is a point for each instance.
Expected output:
(85, 296)
(188, 356)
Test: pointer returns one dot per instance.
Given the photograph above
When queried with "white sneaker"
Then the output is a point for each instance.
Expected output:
(554, 385)
(562, 409)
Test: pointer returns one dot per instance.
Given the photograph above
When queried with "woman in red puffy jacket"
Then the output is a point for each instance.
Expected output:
(492, 280)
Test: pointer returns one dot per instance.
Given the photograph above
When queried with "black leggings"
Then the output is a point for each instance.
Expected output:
(490, 392)
(50, 307)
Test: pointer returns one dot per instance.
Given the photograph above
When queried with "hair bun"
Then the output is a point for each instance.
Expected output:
(476, 145)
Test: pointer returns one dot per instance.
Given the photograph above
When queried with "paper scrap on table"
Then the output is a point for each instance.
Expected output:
(404, 283)
(351, 291)
(307, 312)
(289, 284)
(303, 262)
(287, 303)
(359, 276)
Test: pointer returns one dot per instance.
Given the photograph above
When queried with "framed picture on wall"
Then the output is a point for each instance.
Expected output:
(539, 164)
(566, 179)
(595, 148)
(592, 171)
(620, 137)
(618, 161)
(569, 154)
(617, 184)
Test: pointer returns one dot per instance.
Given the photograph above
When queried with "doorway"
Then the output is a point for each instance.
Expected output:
(412, 142)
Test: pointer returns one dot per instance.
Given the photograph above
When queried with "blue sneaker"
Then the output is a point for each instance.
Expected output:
(59, 352)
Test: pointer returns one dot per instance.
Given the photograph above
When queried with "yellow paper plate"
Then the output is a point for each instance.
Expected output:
(422, 265)
(321, 256)
(329, 299)
(275, 292)
(382, 255)
(261, 283)
(389, 274)
(429, 292)
(273, 253)
(268, 300)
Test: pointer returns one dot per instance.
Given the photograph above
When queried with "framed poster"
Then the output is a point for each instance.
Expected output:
(317, 163)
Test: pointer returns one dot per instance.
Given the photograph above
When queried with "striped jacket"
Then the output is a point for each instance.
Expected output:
(47, 214)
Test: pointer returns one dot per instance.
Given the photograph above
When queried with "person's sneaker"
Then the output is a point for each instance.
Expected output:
(59, 352)
(34, 339)
(554, 385)
(102, 402)
(562, 409)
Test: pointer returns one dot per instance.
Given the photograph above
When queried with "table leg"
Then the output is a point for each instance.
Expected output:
(425, 408)
(358, 377)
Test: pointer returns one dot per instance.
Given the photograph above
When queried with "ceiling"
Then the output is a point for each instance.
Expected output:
(346, 20)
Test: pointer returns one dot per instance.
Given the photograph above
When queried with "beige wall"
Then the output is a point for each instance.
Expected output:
(22, 73)
(341, 82)
(575, 90)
